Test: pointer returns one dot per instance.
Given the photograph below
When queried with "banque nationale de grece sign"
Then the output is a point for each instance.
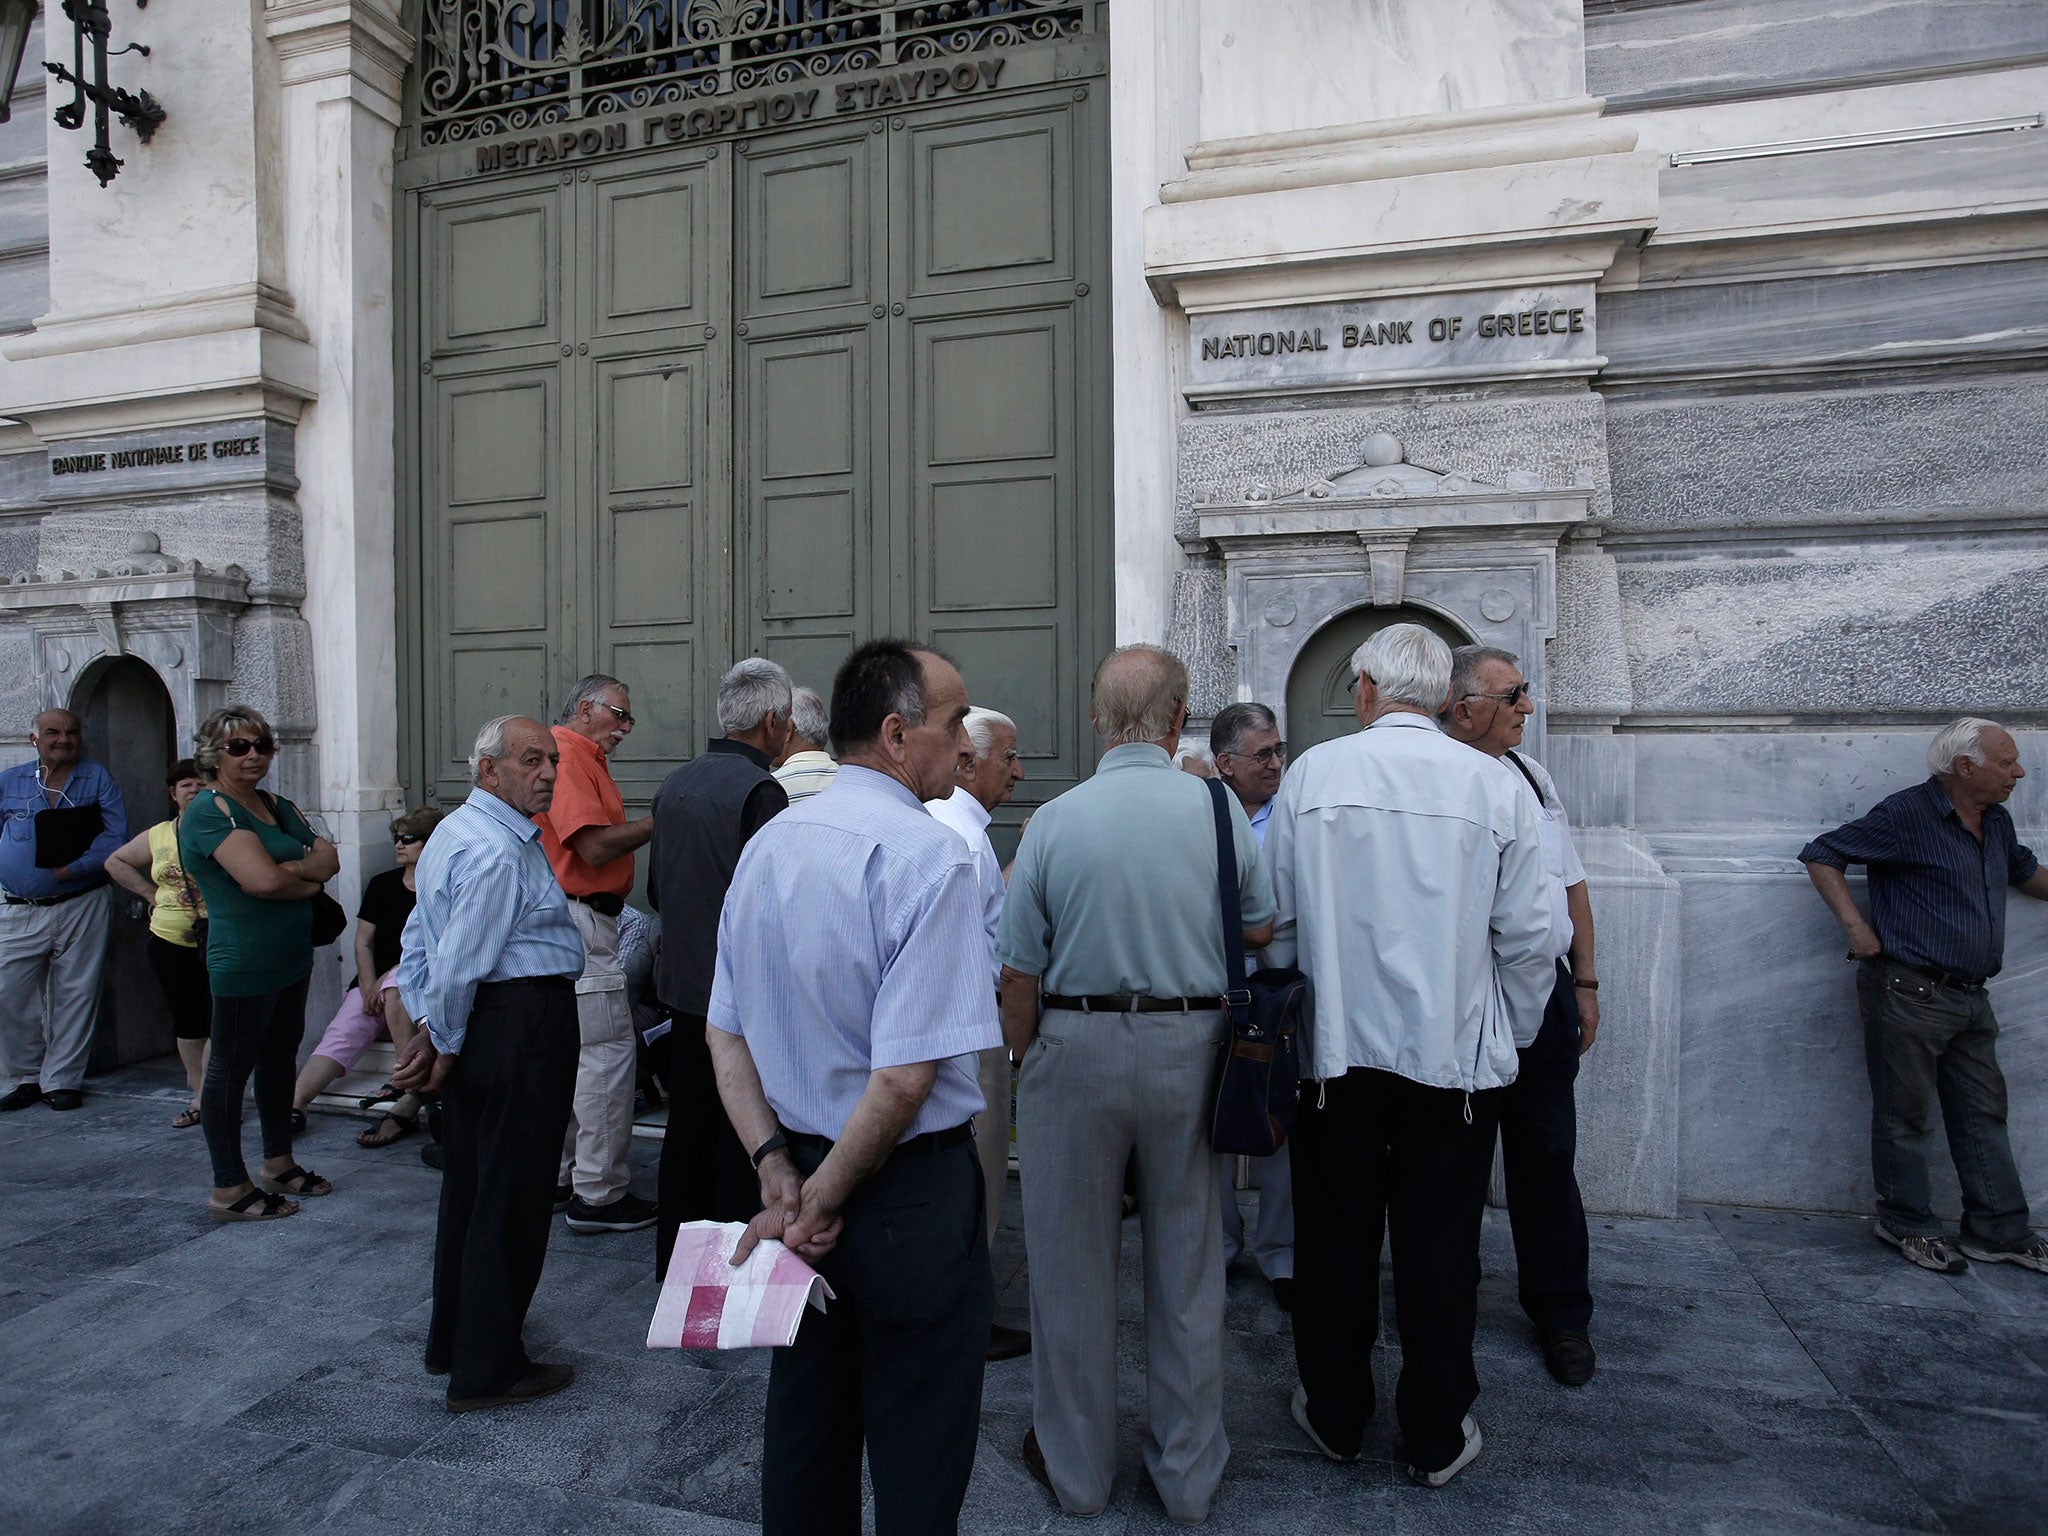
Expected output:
(1501, 332)
(744, 114)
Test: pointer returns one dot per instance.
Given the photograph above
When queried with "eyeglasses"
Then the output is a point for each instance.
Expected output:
(1264, 756)
(406, 839)
(625, 716)
(1511, 698)
(1352, 686)
(242, 746)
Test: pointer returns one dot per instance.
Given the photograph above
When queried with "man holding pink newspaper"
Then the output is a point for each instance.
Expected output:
(850, 997)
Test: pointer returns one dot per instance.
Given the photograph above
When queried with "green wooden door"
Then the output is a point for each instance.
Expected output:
(774, 395)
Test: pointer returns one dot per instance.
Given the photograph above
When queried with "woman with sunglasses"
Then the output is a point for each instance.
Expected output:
(371, 1008)
(259, 866)
(147, 866)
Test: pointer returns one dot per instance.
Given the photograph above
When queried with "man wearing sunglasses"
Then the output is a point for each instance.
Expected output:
(1250, 758)
(1539, 1118)
(590, 845)
(60, 817)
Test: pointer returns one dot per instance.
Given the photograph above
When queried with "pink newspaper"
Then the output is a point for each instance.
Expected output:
(707, 1304)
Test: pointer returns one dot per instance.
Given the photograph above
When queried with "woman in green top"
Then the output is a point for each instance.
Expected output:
(259, 866)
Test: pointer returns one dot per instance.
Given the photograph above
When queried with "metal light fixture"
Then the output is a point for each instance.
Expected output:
(90, 24)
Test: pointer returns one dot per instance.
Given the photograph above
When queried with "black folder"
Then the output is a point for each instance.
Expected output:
(65, 833)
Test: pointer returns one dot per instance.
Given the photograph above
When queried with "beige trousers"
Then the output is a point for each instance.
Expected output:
(992, 1131)
(601, 1114)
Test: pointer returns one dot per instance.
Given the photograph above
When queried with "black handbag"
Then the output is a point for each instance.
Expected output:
(1258, 1071)
(330, 918)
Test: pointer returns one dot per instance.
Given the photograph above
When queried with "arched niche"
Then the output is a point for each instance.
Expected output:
(1318, 686)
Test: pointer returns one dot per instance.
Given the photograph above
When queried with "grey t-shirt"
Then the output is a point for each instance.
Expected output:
(1114, 888)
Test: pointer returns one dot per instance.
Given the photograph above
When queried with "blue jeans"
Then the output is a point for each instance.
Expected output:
(1926, 1041)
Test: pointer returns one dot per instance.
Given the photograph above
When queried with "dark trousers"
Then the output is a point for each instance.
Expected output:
(895, 1362)
(1539, 1137)
(1925, 1042)
(504, 1110)
(706, 1175)
(1384, 1155)
(257, 1034)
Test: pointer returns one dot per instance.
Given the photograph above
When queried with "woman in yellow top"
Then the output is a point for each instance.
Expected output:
(147, 865)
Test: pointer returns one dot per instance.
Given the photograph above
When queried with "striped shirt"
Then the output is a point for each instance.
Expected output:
(489, 909)
(1937, 893)
(851, 941)
(803, 774)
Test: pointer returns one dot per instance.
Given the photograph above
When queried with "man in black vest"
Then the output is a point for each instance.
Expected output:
(704, 813)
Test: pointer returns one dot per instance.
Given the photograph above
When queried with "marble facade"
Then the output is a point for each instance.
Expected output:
(1777, 506)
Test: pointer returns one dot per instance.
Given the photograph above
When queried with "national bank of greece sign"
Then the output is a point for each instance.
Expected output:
(1378, 343)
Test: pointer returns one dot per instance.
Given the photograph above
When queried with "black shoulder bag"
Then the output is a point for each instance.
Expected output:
(1258, 1073)
(330, 918)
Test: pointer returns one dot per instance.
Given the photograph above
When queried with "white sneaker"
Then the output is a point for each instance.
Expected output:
(2032, 1254)
(1443, 1475)
(1929, 1250)
(1300, 1406)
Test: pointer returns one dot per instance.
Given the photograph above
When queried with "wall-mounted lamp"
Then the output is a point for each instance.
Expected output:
(90, 26)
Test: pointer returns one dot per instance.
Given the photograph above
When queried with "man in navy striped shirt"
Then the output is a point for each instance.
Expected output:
(1940, 856)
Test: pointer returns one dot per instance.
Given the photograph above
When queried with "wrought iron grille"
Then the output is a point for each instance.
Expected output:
(497, 66)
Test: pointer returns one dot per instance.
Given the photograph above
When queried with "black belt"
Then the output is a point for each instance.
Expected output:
(1121, 1003)
(917, 1146)
(545, 983)
(1940, 978)
(600, 901)
(59, 899)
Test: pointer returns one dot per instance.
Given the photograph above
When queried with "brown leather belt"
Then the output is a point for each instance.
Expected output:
(1122, 1003)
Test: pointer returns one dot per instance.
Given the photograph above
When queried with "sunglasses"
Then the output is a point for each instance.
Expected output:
(242, 746)
(625, 716)
(1511, 698)
(406, 839)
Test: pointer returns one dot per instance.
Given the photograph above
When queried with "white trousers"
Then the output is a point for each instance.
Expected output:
(601, 1114)
(50, 962)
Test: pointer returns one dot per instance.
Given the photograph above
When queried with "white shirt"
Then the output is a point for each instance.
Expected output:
(1409, 873)
(850, 941)
(967, 816)
(1560, 858)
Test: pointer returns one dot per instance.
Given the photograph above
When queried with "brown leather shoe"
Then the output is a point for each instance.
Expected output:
(539, 1380)
(1034, 1462)
(1006, 1343)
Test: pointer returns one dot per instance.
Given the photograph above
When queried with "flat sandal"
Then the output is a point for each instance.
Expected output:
(257, 1205)
(296, 1181)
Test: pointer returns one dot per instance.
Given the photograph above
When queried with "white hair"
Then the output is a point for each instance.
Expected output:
(490, 742)
(807, 715)
(1956, 740)
(981, 729)
(1408, 665)
(753, 690)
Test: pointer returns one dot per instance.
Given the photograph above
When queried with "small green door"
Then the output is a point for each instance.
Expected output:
(1319, 687)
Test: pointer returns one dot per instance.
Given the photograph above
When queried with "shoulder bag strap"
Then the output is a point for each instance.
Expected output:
(1232, 904)
(1523, 769)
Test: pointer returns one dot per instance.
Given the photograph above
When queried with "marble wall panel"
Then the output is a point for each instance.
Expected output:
(1775, 1104)
(1874, 319)
(1662, 55)
(24, 288)
(19, 699)
(1200, 637)
(21, 482)
(259, 531)
(1826, 631)
(1588, 673)
(1791, 459)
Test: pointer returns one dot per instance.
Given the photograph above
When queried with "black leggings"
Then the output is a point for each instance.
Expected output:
(260, 1033)
(181, 972)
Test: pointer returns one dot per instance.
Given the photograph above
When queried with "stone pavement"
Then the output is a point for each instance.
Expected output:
(1760, 1372)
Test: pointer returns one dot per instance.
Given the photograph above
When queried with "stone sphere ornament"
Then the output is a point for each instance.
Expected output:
(1382, 449)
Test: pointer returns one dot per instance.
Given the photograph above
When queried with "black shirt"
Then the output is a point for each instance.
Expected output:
(704, 813)
(1937, 893)
(386, 906)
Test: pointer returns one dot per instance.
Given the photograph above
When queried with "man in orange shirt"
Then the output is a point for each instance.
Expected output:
(590, 844)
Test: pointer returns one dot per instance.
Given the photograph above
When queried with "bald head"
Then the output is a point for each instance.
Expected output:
(58, 738)
(1140, 694)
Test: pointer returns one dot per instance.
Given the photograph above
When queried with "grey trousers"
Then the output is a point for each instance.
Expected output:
(1272, 1241)
(1098, 1091)
(992, 1131)
(50, 961)
(601, 1116)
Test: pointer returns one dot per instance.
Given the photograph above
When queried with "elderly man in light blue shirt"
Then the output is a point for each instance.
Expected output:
(489, 966)
(850, 996)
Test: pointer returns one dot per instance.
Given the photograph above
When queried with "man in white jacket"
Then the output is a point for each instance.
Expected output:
(1411, 887)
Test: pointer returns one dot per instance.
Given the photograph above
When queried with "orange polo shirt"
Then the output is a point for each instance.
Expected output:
(585, 796)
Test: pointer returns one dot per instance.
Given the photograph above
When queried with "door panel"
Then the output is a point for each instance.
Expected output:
(990, 201)
(807, 218)
(496, 258)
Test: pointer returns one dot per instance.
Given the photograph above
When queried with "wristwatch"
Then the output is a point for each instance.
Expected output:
(776, 1143)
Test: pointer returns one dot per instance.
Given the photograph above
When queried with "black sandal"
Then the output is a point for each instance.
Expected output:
(254, 1206)
(389, 1093)
(295, 1181)
(375, 1136)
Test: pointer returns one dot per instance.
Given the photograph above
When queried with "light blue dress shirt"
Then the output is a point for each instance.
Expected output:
(851, 941)
(489, 909)
(22, 798)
